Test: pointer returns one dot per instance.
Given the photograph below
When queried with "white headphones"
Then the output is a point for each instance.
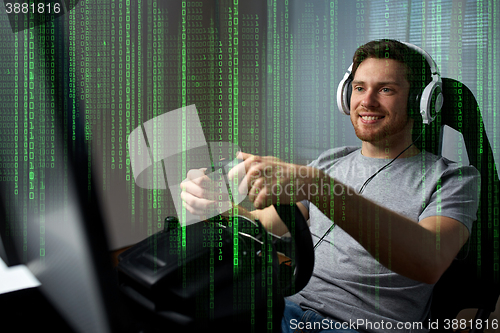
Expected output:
(430, 100)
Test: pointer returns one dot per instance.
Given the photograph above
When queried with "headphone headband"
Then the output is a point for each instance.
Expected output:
(432, 64)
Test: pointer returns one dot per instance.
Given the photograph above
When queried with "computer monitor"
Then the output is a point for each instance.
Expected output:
(50, 218)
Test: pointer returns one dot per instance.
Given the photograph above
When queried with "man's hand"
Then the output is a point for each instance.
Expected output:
(269, 180)
(204, 196)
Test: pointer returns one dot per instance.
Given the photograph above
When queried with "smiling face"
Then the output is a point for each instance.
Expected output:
(379, 103)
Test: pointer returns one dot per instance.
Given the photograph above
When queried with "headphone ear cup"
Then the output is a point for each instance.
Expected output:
(414, 98)
(344, 91)
(348, 93)
(436, 102)
(431, 101)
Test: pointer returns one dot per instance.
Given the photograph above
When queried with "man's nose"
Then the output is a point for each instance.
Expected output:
(370, 99)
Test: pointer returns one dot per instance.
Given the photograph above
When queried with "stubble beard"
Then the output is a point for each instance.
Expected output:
(381, 134)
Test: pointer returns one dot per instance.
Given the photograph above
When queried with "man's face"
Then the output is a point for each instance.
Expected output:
(378, 102)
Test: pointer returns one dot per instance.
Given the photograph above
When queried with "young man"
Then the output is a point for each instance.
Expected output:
(375, 270)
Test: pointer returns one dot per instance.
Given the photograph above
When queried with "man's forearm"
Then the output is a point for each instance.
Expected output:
(397, 242)
(239, 210)
(268, 217)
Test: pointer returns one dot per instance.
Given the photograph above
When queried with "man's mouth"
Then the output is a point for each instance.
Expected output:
(371, 117)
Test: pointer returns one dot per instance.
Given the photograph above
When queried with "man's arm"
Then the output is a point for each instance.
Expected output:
(270, 219)
(420, 251)
(198, 193)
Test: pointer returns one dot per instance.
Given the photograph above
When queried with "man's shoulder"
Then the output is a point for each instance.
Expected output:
(442, 166)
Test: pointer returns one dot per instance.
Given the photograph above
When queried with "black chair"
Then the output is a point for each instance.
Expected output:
(472, 280)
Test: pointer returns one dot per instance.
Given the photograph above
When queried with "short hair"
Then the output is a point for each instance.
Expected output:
(418, 71)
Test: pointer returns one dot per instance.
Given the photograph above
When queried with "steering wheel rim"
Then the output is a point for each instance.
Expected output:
(303, 244)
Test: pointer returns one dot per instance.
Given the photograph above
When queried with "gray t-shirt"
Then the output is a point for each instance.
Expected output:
(348, 284)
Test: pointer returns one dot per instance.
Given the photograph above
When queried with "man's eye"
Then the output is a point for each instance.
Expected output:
(386, 90)
(358, 88)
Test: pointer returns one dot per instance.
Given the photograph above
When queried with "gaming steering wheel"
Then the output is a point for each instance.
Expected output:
(217, 270)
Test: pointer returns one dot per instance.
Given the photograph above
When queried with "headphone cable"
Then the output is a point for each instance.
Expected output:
(388, 164)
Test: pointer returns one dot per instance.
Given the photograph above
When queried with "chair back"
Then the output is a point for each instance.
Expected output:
(472, 280)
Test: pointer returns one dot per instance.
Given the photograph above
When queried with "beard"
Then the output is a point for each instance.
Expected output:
(380, 132)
